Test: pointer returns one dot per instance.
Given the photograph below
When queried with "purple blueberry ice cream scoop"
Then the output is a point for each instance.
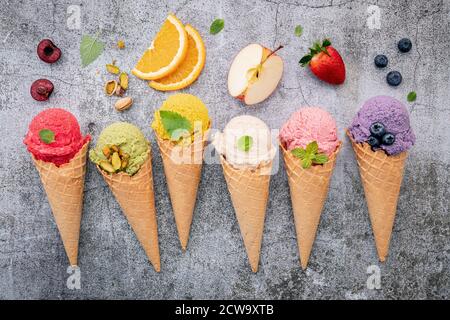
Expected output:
(393, 116)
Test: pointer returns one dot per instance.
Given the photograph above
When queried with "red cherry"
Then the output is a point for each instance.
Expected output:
(41, 89)
(48, 52)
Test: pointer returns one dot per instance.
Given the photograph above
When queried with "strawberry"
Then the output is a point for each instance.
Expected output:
(325, 62)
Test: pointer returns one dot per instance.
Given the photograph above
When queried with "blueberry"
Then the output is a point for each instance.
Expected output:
(373, 141)
(381, 61)
(404, 45)
(388, 139)
(377, 129)
(394, 78)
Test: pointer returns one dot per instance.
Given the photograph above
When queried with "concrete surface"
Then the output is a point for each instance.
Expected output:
(113, 265)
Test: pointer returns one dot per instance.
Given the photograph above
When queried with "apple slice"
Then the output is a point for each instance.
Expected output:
(247, 58)
(269, 77)
(254, 74)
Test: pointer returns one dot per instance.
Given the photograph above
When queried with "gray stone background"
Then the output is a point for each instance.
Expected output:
(113, 265)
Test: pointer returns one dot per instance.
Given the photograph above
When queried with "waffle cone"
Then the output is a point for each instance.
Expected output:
(136, 198)
(309, 189)
(182, 168)
(64, 186)
(249, 190)
(381, 176)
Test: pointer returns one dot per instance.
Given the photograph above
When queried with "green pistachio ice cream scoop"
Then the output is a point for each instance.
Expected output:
(121, 147)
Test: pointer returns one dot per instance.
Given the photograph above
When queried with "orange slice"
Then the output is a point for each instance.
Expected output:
(189, 70)
(166, 52)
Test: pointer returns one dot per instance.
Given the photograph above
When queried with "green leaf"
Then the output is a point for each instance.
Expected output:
(175, 124)
(217, 26)
(298, 31)
(245, 143)
(326, 43)
(47, 136)
(306, 163)
(305, 60)
(299, 153)
(320, 158)
(412, 96)
(312, 148)
(90, 49)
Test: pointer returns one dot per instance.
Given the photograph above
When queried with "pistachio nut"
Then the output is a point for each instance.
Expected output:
(123, 104)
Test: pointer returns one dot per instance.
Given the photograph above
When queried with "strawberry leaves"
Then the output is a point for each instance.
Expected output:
(315, 49)
(310, 155)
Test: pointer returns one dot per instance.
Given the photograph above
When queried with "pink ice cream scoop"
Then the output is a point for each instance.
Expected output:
(54, 136)
(307, 125)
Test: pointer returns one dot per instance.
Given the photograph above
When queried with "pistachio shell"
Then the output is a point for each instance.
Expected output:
(106, 151)
(105, 165)
(123, 104)
(123, 80)
(119, 91)
(124, 164)
(112, 68)
(110, 87)
(115, 161)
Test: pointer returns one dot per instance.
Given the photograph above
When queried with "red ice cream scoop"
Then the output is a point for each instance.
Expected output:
(54, 136)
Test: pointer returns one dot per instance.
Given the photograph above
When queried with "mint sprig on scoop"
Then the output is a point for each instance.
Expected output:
(310, 155)
(175, 124)
(245, 143)
(47, 136)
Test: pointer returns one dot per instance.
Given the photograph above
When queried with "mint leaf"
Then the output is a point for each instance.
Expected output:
(90, 49)
(47, 136)
(298, 31)
(175, 124)
(320, 158)
(245, 143)
(312, 148)
(309, 155)
(217, 26)
(306, 163)
(412, 96)
(299, 153)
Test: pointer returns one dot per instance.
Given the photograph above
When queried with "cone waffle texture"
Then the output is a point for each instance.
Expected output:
(64, 187)
(381, 176)
(309, 189)
(136, 198)
(182, 168)
(249, 190)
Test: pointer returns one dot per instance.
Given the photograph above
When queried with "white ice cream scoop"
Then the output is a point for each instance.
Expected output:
(245, 141)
